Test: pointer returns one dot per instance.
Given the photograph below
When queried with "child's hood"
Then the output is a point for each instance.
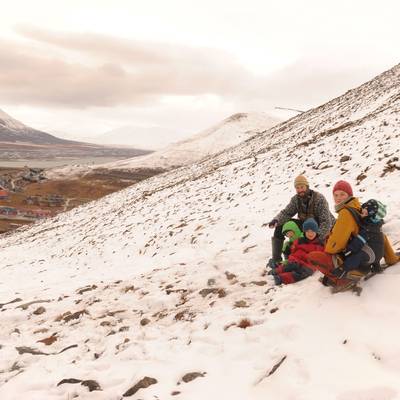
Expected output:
(292, 226)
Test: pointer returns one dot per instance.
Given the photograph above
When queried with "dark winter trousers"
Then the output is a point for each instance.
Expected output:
(293, 272)
(356, 261)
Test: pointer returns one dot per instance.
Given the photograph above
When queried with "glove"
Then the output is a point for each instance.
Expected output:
(273, 223)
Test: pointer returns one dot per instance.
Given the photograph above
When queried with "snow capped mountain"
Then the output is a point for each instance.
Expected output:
(159, 289)
(230, 132)
(14, 131)
(11, 123)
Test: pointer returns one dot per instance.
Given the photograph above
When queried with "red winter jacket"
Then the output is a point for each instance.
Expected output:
(301, 247)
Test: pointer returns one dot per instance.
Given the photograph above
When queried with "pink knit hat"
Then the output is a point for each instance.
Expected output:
(344, 186)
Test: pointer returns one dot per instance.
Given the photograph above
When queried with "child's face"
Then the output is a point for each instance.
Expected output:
(364, 212)
(339, 196)
(289, 234)
(310, 235)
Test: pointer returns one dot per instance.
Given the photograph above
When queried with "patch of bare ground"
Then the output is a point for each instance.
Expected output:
(75, 192)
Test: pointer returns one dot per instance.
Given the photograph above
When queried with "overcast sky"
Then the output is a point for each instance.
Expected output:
(173, 68)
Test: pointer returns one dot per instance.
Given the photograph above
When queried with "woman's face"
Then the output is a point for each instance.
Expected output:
(339, 196)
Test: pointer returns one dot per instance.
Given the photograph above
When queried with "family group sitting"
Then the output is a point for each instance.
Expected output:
(344, 250)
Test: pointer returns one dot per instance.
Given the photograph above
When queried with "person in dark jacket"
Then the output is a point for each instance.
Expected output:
(298, 266)
(306, 203)
(370, 221)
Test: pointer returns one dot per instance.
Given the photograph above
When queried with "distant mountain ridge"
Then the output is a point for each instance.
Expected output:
(230, 132)
(21, 142)
(13, 131)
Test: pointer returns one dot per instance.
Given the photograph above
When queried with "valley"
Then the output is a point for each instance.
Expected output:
(24, 202)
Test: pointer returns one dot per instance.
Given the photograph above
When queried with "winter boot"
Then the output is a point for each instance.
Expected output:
(339, 272)
(276, 258)
(355, 275)
(376, 268)
(326, 281)
(349, 282)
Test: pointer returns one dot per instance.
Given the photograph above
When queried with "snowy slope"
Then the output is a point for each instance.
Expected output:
(162, 279)
(228, 133)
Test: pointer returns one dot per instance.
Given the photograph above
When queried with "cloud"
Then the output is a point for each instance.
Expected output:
(82, 70)
(79, 71)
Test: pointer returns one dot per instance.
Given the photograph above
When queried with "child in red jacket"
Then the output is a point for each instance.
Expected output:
(298, 267)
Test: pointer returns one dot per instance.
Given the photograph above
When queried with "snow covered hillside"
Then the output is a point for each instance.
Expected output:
(159, 292)
(228, 133)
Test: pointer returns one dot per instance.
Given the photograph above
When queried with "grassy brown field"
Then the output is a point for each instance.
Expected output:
(76, 191)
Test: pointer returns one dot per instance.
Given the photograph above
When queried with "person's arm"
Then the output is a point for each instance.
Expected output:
(344, 227)
(324, 217)
(288, 212)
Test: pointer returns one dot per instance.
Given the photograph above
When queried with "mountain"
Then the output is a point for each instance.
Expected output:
(160, 288)
(230, 132)
(14, 131)
(18, 141)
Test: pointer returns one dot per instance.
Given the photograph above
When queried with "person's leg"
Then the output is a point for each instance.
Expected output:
(321, 261)
(301, 273)
(277, 270)
(287, 278)
(325, 263)
(352, 261)
(276, 246)
(362, 265)
(390, 256)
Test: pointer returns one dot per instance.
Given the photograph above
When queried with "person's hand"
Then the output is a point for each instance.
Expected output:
(273, 223)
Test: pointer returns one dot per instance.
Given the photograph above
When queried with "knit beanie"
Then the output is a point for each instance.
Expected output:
(301, 180)
(310, 224)
(376, 210)
(343, 186)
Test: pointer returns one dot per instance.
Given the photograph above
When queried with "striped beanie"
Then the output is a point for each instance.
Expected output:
(376, 210)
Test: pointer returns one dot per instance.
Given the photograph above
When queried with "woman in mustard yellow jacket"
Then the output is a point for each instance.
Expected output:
(346, 226)
(344, 229)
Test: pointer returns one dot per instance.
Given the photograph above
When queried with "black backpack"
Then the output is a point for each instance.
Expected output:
(371, 232)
